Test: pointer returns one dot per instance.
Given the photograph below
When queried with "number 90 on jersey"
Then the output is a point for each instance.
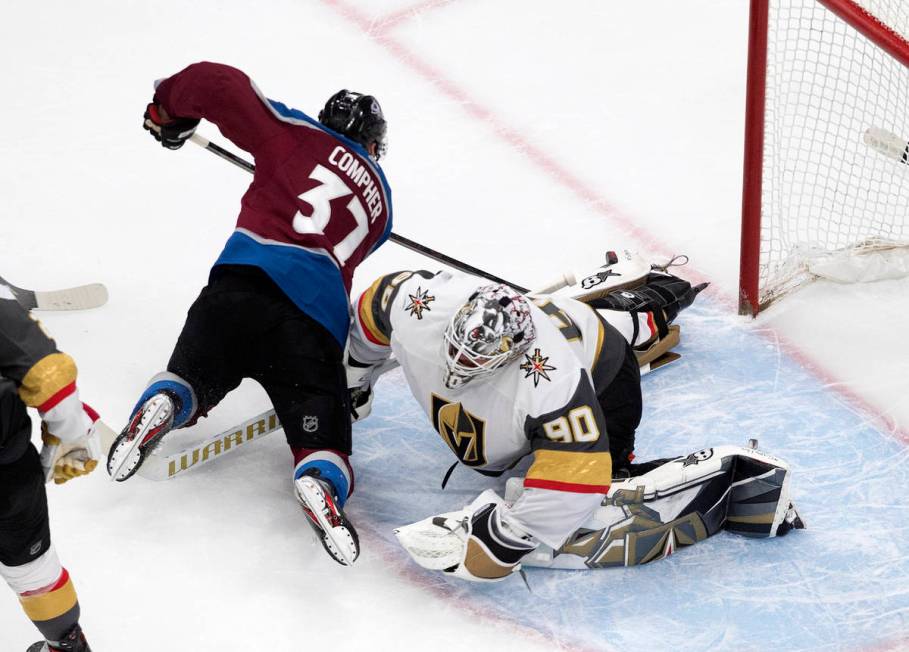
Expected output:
(579, 425)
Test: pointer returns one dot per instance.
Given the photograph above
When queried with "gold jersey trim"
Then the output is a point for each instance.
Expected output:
(571, 467)
(367, 319)
(47, 377)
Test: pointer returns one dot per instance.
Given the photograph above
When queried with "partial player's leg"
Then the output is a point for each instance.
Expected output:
(307, 384)
(641, 301)
(678, 504)
(207, 363)
(28, 561)
(622, 407)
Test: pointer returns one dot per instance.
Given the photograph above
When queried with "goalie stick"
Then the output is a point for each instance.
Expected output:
(81, 297)
(888, 144)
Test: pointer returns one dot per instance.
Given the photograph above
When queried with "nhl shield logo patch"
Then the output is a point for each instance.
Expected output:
(310, 423)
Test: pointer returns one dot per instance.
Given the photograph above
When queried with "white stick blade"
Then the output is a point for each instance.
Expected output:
(164, 466)
(887, 143)
(82, 297)
(106, 435)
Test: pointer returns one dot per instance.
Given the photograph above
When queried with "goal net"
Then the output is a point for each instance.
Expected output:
(826, 185)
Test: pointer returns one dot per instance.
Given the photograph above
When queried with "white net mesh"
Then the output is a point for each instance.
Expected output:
(825, 191)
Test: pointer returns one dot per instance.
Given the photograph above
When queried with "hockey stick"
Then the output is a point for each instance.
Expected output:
(80, 297)
(164, 466)
(888, 144)
(159, 466)
(217, 150)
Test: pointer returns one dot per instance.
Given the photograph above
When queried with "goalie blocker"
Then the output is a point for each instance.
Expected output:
(641, 519)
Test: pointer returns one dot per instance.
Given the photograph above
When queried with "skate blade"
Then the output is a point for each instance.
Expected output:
(128, 451)
(125, 458)
(337, 540)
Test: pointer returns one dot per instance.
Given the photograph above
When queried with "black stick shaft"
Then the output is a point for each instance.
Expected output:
(230, 156)
(394, 237)
(454, 262)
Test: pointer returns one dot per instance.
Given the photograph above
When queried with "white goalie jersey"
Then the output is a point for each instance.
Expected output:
(544, 403)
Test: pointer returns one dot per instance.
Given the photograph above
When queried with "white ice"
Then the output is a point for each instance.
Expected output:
(525, 138)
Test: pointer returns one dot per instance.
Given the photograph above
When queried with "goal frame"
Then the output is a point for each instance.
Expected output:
(755, 104)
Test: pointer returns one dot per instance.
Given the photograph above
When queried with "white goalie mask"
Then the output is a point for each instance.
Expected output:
(493, 328)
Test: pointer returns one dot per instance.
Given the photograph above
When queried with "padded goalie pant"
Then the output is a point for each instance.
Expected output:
(622, 406)
(651, 516)
(242, 325)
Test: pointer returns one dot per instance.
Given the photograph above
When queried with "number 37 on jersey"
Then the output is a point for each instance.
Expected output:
(326, 219)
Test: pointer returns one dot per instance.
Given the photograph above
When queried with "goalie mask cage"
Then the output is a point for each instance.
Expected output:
(820, 73)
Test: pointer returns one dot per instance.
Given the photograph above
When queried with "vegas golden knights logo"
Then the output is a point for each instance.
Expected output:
(463, 432)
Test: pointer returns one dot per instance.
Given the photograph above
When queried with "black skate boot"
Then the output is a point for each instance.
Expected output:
(74, 641)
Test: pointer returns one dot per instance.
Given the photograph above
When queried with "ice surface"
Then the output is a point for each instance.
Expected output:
(524, 141)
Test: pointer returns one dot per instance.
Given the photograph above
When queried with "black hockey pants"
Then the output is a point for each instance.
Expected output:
(243, 326)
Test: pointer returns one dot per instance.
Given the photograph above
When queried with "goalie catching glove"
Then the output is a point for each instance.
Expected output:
(71, 444)
(478, 543)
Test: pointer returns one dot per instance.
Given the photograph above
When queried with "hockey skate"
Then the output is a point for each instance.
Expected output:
(149, 424)
(338, 536)
(74, 641)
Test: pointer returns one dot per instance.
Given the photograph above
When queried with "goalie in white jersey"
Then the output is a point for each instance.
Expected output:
(502, 376)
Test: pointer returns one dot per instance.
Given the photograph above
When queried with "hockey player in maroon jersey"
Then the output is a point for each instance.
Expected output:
(502, 376)
(34, 374)
(276, 307)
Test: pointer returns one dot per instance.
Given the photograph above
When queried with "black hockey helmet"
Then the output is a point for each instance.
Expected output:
(357, 116)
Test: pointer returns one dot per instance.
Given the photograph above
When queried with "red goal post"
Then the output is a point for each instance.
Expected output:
(822, 74)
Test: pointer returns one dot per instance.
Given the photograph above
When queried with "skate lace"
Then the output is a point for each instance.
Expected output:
(331, 511)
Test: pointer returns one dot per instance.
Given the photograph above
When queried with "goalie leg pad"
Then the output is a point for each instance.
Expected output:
(681, 502)
(625, 269)
(759, 502)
